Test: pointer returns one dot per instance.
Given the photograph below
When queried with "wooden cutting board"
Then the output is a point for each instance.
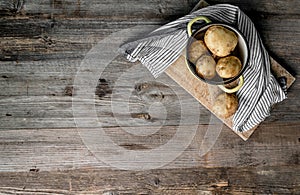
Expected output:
(206, 93)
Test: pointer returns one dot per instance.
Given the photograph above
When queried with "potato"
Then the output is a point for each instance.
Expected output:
(225, 105)
(206, 67)
(197, 49)
(220, 41)
(228, 67)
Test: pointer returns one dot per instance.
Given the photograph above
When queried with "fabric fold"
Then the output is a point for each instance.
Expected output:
(163, 46)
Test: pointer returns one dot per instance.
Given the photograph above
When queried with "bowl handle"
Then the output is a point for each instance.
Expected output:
(235, 89)
(191, 22)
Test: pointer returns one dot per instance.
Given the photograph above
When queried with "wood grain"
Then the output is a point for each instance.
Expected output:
(42, 45)
(252, 180)
(52, 149)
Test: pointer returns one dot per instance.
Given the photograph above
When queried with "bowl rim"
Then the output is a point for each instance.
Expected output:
(191, 65)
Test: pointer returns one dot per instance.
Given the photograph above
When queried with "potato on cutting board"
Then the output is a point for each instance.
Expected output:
(225, 105)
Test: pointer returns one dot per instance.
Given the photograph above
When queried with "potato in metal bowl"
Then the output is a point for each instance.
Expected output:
(220, 41)
(228, 67)
(206, 67)
(197, 49)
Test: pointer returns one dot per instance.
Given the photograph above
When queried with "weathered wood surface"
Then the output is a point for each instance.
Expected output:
(43, 44)
(255, 180)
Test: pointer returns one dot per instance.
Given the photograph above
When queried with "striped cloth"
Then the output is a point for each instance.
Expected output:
(260, 91)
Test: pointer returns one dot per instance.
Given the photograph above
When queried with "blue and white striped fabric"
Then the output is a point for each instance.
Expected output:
(260, 91)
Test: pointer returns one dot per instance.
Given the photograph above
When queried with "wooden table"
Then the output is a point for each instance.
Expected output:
(42, 151)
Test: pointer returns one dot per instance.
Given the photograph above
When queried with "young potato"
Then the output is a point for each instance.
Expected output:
(228, 67)
(220, 41)
(225, 105)
(206, 67)
(196, 49)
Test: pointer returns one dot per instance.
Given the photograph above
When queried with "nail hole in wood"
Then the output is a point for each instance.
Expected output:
(68, 90)
(102, 80)
(156, 181)
(34, 170)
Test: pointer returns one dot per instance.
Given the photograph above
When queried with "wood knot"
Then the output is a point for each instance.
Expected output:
(153, 92)
(141, 86)
(157, 95)
(145, 116)
(48, 41)
(103, 88)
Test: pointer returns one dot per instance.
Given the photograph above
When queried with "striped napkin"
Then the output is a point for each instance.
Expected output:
(260, 91)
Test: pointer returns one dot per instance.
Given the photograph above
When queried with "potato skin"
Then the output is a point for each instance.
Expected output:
(225, 105)
(206, 67)
(197, 49)
(228, 67)
(220, 41)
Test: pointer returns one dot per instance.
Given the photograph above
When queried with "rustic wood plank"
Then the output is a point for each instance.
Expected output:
(51, 149)
(237, 180)
(109, 9)
(131, 9)
(28, 104)
(253, 8)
